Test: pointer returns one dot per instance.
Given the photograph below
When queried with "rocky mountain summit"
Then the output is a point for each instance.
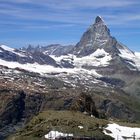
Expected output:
(98, 39)
(98, 76)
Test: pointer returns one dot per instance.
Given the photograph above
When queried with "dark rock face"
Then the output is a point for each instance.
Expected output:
(13, 110)
(17, 107)
(67, 63)
(113, 81)
(9, 56)
(98, 19)
(43, 59)
(116, 110)
(85, 103)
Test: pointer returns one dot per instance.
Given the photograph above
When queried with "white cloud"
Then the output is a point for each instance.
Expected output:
(64, 4)
(70, 12)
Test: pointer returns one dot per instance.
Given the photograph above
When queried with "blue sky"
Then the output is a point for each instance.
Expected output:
(24, 22)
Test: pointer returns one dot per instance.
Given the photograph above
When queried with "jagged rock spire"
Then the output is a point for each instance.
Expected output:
(98, 20)
(96, 37)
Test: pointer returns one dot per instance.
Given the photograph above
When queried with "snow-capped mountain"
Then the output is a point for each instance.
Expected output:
(98, 37)
(23, 57)
(97, 53)
(55, 77)
(98, 49)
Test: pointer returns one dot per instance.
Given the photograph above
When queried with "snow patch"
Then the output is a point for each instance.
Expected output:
(98, 58)
(121, 132)
(80, 127)
(100, 52)
(129, 55)
(55, 134)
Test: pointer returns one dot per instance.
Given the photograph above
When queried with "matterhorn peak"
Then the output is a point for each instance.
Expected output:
(99, 20)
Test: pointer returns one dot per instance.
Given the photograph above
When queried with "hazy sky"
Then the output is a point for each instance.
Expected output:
(44, 22)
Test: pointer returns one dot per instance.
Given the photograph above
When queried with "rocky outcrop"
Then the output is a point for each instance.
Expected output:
(12, 110)
(17, 107)
(84, 103)
(116, 109)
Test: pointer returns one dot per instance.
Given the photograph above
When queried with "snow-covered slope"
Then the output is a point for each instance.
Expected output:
(131, 57)
(137, 60)
(122, 132)
(114, 130)
(99, 58)
(7, 48)
(11, 50)
(45, 69)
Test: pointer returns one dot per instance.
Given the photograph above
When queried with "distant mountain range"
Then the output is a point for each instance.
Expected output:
(36, 79)
(96, 43)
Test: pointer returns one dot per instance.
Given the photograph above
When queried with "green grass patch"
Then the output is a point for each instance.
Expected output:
(63, 121)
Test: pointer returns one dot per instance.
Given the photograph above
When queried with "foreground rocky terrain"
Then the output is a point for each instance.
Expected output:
(98, 77)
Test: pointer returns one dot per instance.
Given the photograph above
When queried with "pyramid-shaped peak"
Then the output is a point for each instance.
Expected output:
(98, 19)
